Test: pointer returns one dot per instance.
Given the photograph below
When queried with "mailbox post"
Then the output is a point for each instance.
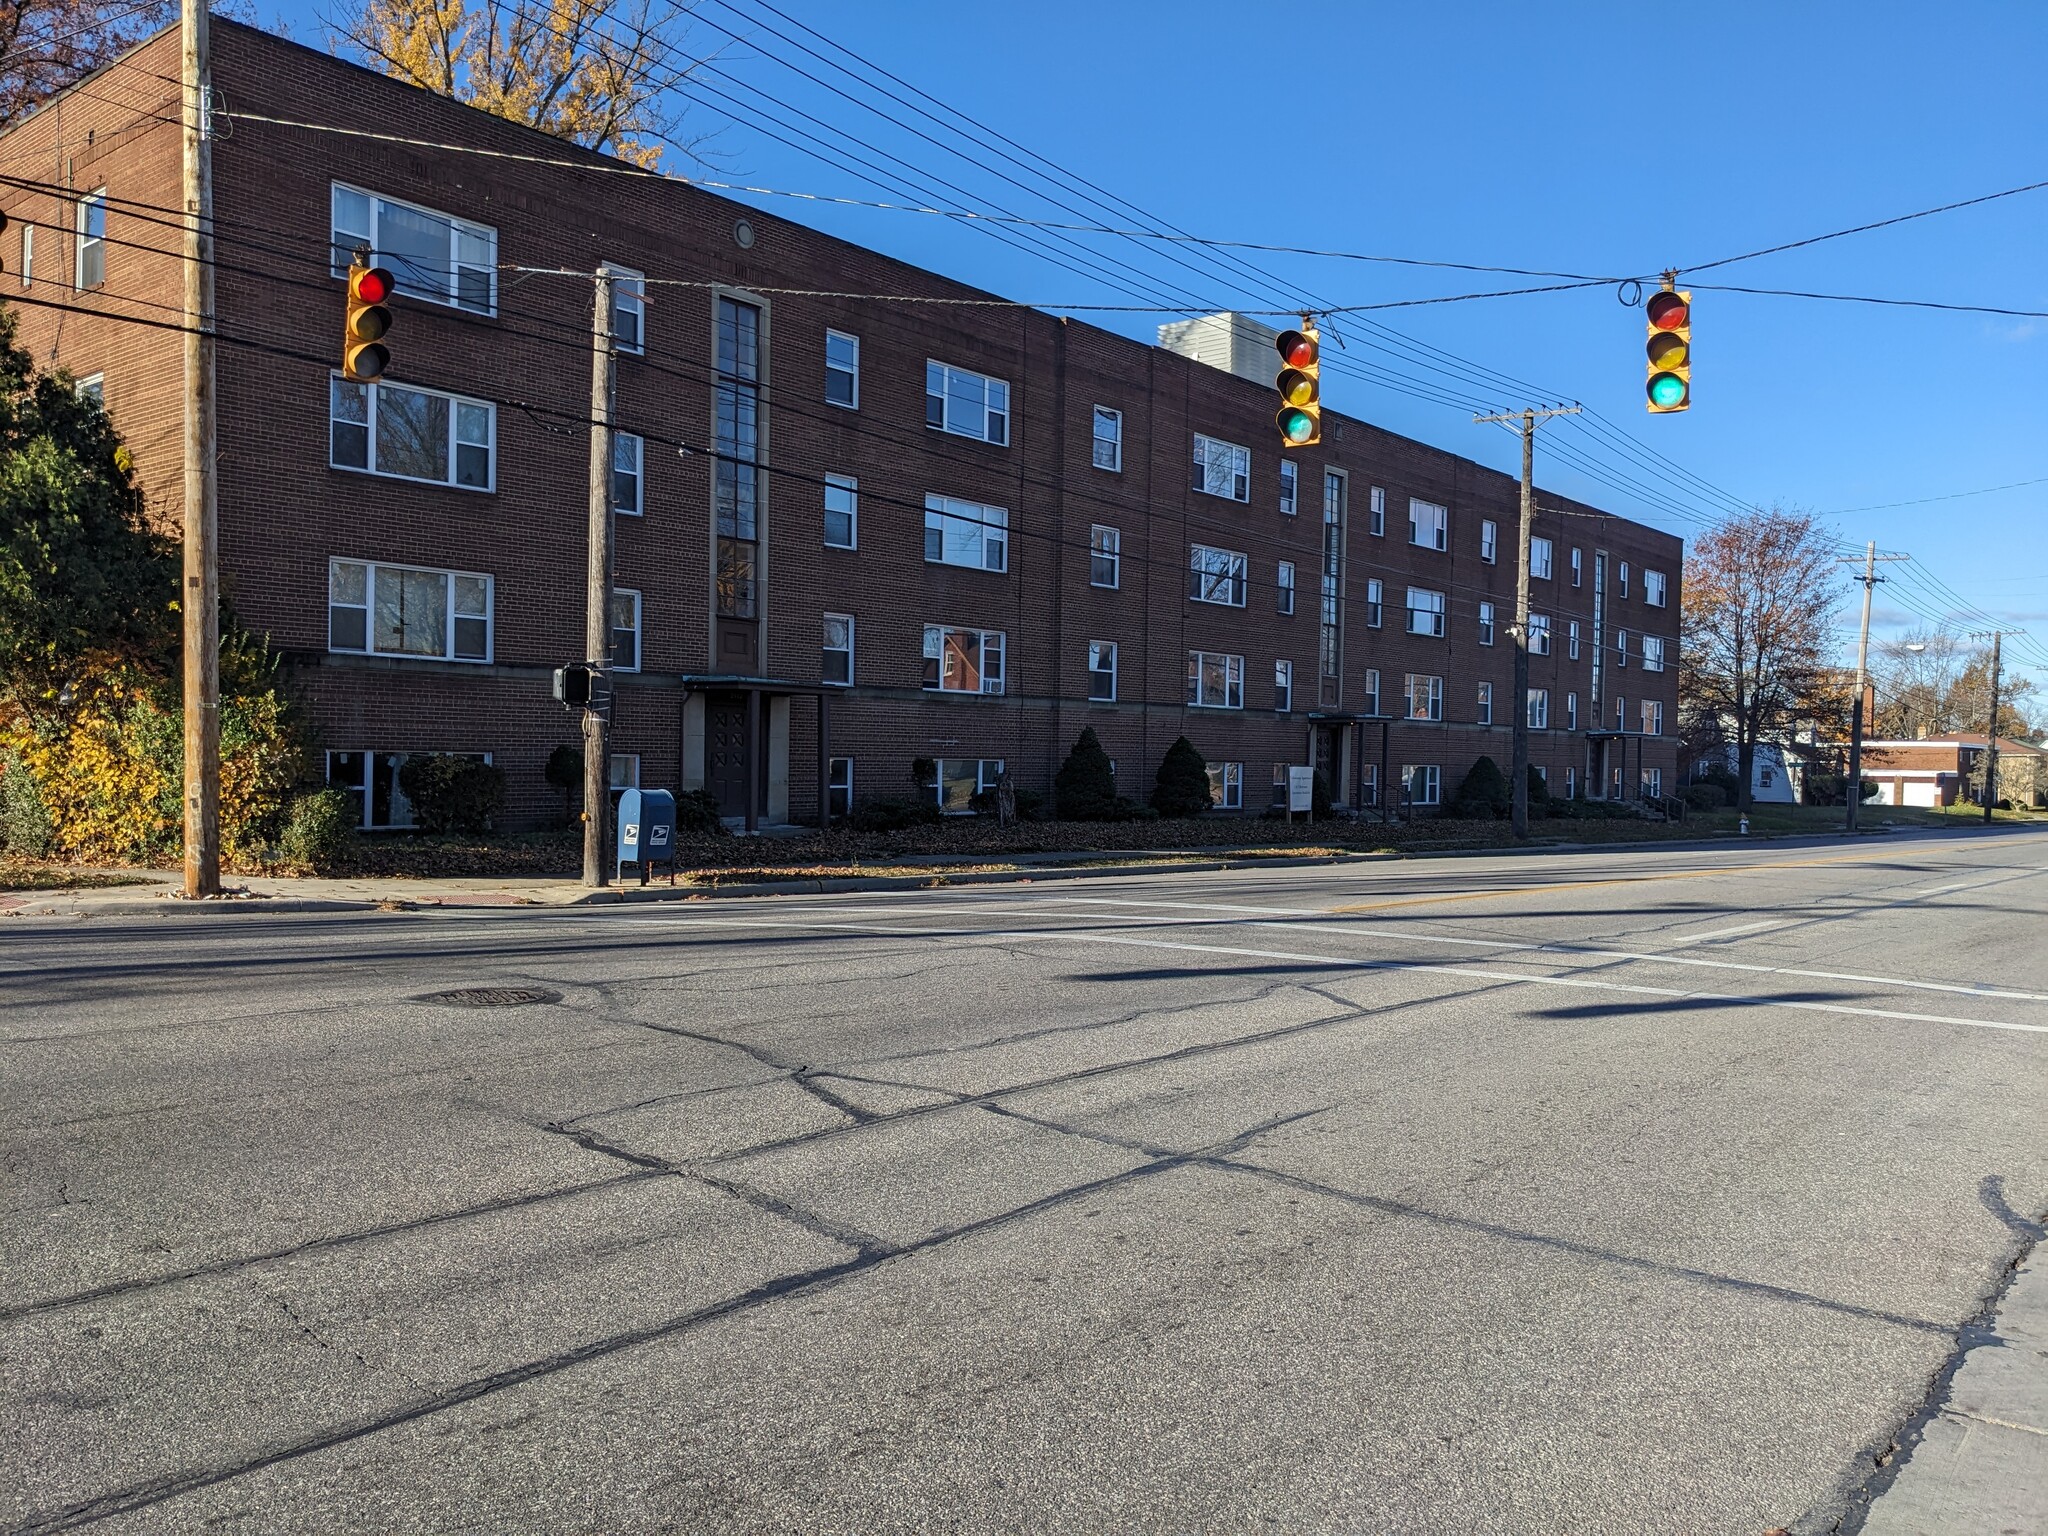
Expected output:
(647, 832)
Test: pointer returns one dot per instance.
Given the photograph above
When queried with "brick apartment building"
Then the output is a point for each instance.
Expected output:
(949, 530)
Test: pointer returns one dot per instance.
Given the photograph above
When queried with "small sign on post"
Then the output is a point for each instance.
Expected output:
(1301, 790)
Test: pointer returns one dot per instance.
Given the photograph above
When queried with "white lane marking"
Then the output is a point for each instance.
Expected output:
(1348, 962)
(1726, 933)
(1936, 890)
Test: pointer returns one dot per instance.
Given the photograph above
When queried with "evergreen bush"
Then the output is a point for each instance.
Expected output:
(1085, 787)
(1484, 792)
(452, 794)
(1181, 787)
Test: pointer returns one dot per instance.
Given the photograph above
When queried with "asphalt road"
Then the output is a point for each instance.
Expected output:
(1622, 1192)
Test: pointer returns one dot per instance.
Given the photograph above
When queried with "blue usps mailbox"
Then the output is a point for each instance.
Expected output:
(647, 831)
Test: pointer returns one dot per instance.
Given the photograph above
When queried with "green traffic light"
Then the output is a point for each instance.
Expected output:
(1297, 426)
(1667, 390)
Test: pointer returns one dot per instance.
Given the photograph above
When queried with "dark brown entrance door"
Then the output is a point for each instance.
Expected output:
(726, 759)
(1326, 755)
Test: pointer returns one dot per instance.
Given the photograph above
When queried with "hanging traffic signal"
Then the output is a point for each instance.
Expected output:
(1669, 350)
(364, 357)
(1301, 385)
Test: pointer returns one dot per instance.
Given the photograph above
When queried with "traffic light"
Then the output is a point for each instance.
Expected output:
(1669, 350)
(364, 357)
(576, 685)
(1301, 385)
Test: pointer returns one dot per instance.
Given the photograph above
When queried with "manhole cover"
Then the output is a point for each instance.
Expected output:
(492, 997)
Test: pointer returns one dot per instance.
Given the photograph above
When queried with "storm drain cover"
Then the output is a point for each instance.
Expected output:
(492, 997)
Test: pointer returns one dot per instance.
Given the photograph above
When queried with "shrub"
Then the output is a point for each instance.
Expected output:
(452, 794)
(696, 811)
(1484, 792)
(318, 828)
(1085, 787)
(1705, 797)
(1134, 810)
(25, 829)
(1181, 787)
(1319, 798)
(1539, 792)
(891, 815)
(565, 772)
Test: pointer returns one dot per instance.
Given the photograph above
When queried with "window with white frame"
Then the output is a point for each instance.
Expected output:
(1290, 485)
(625, 651)
(1654, 588)
(1283, 687)
(625, 771)
(1486, 623)
(370, 780)
(1369, 784)
(629, 308)
(1108, 447)
(1379, 511)
(1571, 783)
(1653, 782)
(411, 434)
(1624, 578)
(1429, 525)
(1489, 540)
(1226, 786)
(1215, 680)
(1102, 671)
(1423, 697)
(92, 239)
(28, 255)
(1539, 556)
(1539, 634)
(1371, 691)
(960, 779)
(401, 610)
(966, 533)
(1422, 783)
(963, 660)
(1222, 469)
(836, 651)
(839, 786)
(966, 404)
(93, 387)
(1571, 711)
(1577, 570)
(1425, 611)
(1539, 709)
(1620, 713)
(842, 512)
(1284, 585)
(1653, 717)
(629, 462)
(1653, 653)
(434, 256)
(1375, 602)
(1105, 557)
(1621, 647)
(1217, 575)
(1486, 703)
(842, 386)
(1572, 639)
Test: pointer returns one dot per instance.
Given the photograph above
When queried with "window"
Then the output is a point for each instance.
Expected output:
(1379, 511)
(1284, 580)
(842, 387)
(1571, 711)
(1620, 715)
(1621, 647)
(1425, 612)
(629, 454)
(1424, 697)
(1653, 782)
(1283, 687)
(962, 778)
(1216, 575)
(735, 470)
(839, 786)
(625, 770)
(1489, 540)
(1766, 778)
(411, 434)
(1653, 653)
(1429, 525)
(1109, 439)
(966, 404)
(397, 610)
(625, 653)
(1654, 588)
(1572, 639)
(1105, 557)
(966, 533)
(837, 650)
(1623, 577)
(1222, 469)
(93, 387)
(92, 239)
(370, 780)
(1226, 786)
(1215, 681)
(1486, 623)
(1422, 783)
(1371, 699)
(1539, 709)
(1290, 476)
(1539, 557)
(1653, 717)
(1369, 784)
(842, 512)
(1486, 703)
(1576, 572)
(434, 257)
(629, 308)
(28, 255)
(1102, 671)
(1375, 602)
(1571, 783)
(963, 660)
(1539, 634)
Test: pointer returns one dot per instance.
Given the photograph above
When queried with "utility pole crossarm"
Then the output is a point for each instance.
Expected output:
(1870, 579)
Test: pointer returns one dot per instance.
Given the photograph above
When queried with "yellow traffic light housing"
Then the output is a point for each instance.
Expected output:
(1669, 350)
(1301, 385)
(364, 357)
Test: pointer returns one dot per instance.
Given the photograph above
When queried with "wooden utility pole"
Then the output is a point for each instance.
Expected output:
(1870, 579)
(1518, 789)
(597, 628)
(1991, 735)
(199, 601)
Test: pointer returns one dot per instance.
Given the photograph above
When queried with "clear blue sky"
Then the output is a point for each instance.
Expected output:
(1587, 137)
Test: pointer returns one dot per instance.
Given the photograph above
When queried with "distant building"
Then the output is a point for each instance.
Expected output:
(1941, 770)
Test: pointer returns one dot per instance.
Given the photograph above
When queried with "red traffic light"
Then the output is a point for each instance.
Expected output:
(1666, 311)
(1296, 349)
(370, 285)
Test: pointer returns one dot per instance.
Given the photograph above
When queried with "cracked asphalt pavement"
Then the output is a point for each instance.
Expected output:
(1640, 1191)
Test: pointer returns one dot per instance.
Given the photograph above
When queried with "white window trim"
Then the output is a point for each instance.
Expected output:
(992, 526)
(1489, 540)
(1112, 551)
(1539, 634)
(1001, 649)
(1283, 586)
(1442, 532)
(988, 772)
(28, 255)
(623, 772)
(945, 397)
(1371, 689)
(1237, 578)
(1653, 659)
(1290, 487)
(454, 443)
(1095, 672)
(1233, 679)
(1486, 623)
(1432, 697)
(852, 637)
(1571, 710)
(1572, 639)
(1657, 583)
(1375, 602)
(1240, 475)
(97, 198)
(1486, 703)
(93, 386)
(831, 368)
(1379, 511)
(1433, 780)
(1226, 786)
(1539, 709)
(832, 780)
(369, 607)
(639, 451)
(629, 293)
(1435, 611)
(851, 486)
(1541, 556)
(1096, 439)
(1578, 567)
(409, 287)
(1283, 669)
(639, 633)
